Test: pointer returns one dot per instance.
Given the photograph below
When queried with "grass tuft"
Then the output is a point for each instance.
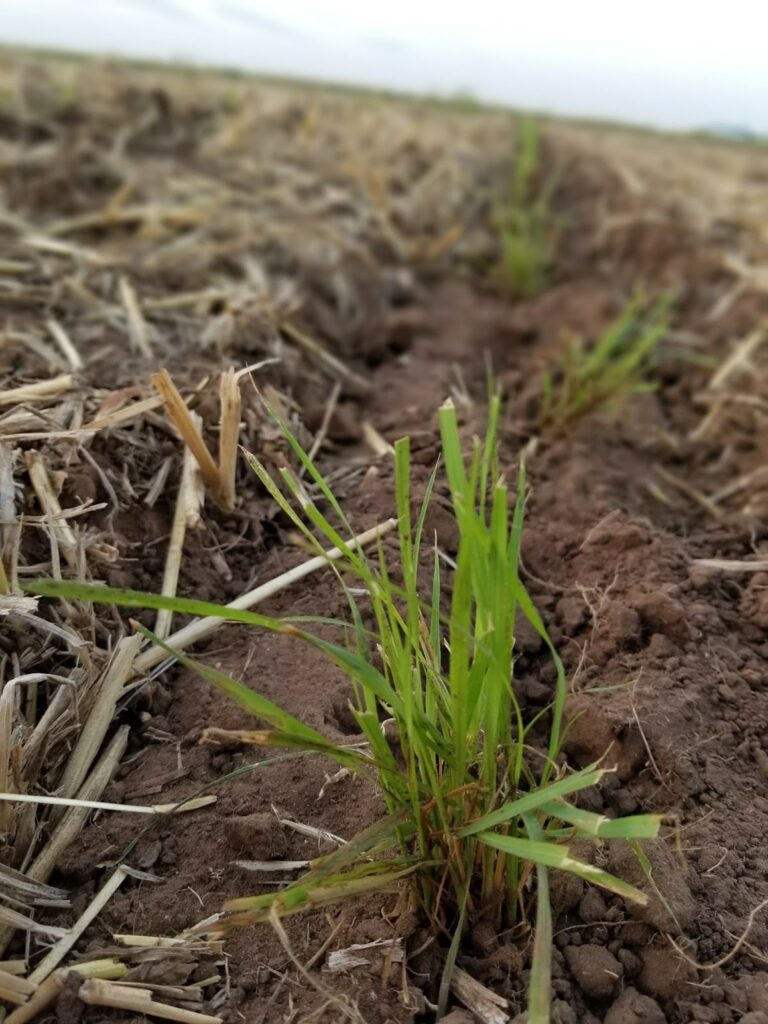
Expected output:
(473, 810)
(525, 220)
(598, 378)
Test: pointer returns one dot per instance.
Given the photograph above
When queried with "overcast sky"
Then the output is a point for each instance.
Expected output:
(674, 63)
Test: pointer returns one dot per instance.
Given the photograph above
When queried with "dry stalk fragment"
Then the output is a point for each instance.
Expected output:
(37, 392)
(96, 992)
(487, 1006)
(57, 952)
(40, 1000)
(100, 719)
(186, 513)
(62, 533)
(180, 416)
(7, 710)
(66, 345)
(229, 394)
(137, 326)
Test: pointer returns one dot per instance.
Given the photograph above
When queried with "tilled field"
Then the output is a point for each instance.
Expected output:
(338, 254)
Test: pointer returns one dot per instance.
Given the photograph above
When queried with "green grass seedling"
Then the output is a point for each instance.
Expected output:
(471, 809)
(525, 221)
(598, 379)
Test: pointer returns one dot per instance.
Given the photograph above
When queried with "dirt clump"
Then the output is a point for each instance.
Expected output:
(595, 970)
(665, 974)
(662, 614)
(670, 906)
(257, 836)
(634, 1008)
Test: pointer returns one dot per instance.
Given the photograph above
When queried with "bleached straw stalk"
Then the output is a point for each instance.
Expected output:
(7, 707)
(39, 390)
(188, 503)
(66, 344)
(95, 992)
(73, 821)
(229, 394)
(137, 325)
(101, 717)
(61, 531)
(56, 953)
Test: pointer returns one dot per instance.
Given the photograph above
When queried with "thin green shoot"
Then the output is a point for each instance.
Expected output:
(525, 221)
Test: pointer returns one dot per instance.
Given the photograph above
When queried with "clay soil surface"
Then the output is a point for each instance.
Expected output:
(342, 247)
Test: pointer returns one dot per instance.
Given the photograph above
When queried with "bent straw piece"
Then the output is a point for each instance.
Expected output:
(44, 243)
(58, 706)
(9, 996)
(195, 496)
(95, 992)
(271, 865)
(45, 994)
(102, 714)
(187, 505)
(229, 434)
(107, 967)
(182, 806)
(177, 412)
(705, 424)
(40, 389)
(184, 994)
(739, 357)
(732, 564)
(13, 966)
(182, 300)
(7, 708)
(128, 412)
(14, 988)
(28, 891)
(320, 436)
(74, 819)
(57, 952)
(101, 805)
(488, 1006)
(201, 628)
(137, 325)
(156, 486)
(378, 444)
(330, 360)
(167, 942)
(14, 919)
(65, 343)
(17, 983)
(739, 484)
(691, 492)
(62, 532)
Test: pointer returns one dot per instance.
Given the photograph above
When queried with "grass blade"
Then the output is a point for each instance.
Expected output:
(534, 800)
(553, 856)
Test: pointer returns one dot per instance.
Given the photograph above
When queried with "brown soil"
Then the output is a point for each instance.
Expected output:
(667, 661)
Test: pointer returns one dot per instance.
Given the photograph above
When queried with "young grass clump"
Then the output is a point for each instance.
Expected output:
(526, 223)
(599, 378)
(473, 810)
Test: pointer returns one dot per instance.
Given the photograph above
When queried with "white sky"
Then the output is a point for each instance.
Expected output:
(674, 63)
